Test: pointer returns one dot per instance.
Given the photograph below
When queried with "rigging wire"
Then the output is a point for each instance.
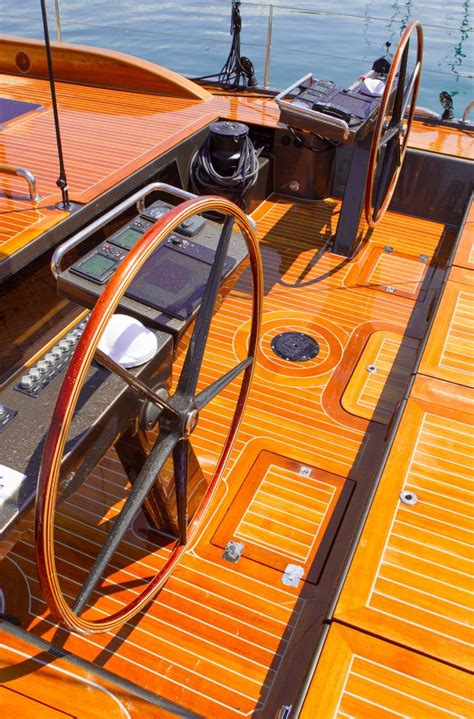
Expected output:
(61, 182)
(237, 71)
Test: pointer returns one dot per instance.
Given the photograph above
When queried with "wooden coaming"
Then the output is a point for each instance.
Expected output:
(220, 638)
(454, 142)
(87, 65)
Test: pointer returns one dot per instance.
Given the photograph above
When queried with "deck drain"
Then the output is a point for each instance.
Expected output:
(295, 346)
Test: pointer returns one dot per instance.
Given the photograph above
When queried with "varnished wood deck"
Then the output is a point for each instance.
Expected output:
(411, 580)
(361, 676)
(35, 684)
(232, 640)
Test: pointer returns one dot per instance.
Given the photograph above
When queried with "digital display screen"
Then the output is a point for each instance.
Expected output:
(97, 266)
(171, 282)
(127, 239)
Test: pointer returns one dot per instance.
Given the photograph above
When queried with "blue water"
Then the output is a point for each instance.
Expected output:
(192, 37)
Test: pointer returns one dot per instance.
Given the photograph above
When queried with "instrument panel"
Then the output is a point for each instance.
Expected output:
(168, 289)
(322, 108)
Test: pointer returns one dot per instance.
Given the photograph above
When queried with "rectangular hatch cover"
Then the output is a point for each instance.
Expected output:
(285, 513)
(13, 109)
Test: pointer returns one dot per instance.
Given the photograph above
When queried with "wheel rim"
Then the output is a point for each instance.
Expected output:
(387, 137)
(69, 394)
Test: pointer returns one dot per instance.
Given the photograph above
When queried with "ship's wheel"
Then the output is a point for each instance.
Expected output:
(390, 139)
(178, 418)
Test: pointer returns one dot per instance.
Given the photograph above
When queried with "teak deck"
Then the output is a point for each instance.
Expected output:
(220, 638)
(233, 640)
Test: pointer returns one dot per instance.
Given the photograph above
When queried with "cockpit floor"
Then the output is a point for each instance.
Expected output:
(219, 638)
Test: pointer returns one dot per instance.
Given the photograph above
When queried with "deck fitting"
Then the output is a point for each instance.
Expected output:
(292, 575)
(233, 551)
(295, 346)
(408, 497)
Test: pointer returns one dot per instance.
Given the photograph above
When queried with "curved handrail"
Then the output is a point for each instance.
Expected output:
(26, 175)
(467, 111)
(136, 198)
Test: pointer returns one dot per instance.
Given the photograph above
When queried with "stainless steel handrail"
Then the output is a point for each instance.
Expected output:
(466, 112)
(58, 20)
(266, 73)
(310, 114)
(26, 175)
(137, 198)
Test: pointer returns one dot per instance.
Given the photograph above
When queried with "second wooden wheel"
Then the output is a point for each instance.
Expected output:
(390, 139)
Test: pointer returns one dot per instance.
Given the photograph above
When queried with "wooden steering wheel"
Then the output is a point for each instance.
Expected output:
(389, 143)
(178, 419)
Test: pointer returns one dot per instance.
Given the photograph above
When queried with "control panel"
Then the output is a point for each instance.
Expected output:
(322, 108)
(169, 287)
(27, 400)
(51, 363)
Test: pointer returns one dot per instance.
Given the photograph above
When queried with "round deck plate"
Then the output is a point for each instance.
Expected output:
(295, 346)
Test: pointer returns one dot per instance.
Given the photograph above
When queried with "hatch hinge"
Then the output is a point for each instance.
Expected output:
(292, 575)
(233, 551)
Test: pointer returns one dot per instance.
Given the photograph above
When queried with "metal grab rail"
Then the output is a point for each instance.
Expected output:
(137, 198)
(466, 112)
(26, 175)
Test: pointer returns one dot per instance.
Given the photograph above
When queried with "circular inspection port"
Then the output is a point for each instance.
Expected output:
(295, 346)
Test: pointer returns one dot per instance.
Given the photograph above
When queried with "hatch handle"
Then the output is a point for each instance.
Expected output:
(26, 175)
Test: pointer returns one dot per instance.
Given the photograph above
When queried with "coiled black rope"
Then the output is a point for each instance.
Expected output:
(206, 180)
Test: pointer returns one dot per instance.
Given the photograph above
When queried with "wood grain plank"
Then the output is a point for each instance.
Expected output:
(449, 353)
(382, 593)
(363, 676)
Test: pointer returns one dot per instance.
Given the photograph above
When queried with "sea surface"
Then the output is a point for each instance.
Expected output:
(335, 41)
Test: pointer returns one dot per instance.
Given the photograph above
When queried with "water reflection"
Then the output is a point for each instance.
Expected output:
(334, 41)
(455, 62)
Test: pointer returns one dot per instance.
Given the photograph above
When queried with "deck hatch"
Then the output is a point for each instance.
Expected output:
(380, 377)
(393, 272)
(13, 109)
(284, 516)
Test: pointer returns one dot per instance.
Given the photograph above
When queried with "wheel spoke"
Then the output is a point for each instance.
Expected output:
(410, 86)
(204, 397)
(390, 164)
(192, 364)
(180, 464)
(390, 133)
(155, 461)
(397, 114)
(132, 381)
